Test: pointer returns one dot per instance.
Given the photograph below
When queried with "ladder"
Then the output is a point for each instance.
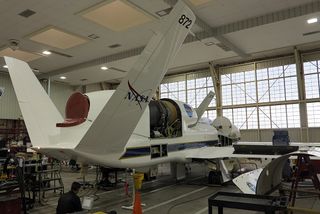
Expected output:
(49, 179)
(304, 169)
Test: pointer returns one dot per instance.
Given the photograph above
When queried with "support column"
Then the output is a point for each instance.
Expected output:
(215, 75)
(257, 103)
(304, 136)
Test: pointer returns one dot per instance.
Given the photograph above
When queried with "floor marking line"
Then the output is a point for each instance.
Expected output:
(174, 199)
(202, 210)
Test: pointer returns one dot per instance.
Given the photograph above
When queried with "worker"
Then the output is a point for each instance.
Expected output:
(70, 202)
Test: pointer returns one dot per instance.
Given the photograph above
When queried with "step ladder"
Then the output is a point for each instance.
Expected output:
(49, 178)
(304, 170)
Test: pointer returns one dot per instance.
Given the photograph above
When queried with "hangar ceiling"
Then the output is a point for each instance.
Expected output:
(226, 31)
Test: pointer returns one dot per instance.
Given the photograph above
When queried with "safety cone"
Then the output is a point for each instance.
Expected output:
(138, 177)
(137, 209)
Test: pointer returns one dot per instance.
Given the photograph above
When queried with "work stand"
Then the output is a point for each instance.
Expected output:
(267, 204)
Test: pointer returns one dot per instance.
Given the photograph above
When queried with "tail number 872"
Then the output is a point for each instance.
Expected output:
(185, 21)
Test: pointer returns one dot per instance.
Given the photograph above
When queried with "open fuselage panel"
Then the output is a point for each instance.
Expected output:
(165, 119)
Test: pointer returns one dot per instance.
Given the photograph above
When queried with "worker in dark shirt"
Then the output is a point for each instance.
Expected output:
(70, 202)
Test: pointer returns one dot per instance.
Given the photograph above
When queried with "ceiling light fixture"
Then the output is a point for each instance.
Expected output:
(5, 66)
(46, 52)
(104, 68)
(312, 20)
(63, 77)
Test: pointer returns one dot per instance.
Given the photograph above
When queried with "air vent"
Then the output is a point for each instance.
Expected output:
(114, 46)
(164, 12)
(223, 47)
(311, 33)
(27, 13)
(61, 54)
(82, 80)
(93, 36)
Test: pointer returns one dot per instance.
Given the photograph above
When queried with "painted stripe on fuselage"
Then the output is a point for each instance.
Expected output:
(145, 151)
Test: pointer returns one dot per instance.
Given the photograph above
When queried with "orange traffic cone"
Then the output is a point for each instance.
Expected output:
(137, 209)
(138, 177)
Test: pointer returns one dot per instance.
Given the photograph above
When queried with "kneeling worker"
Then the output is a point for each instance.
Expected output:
(70, 202)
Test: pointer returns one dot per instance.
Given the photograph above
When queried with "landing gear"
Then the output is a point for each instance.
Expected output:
(218, 173)
(215, 177)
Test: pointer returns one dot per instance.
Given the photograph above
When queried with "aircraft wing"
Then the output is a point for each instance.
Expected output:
(300, 144)
(229, 151)
(208, 153)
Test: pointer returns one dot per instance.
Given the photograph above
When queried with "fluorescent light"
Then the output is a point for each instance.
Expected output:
(46, 52)
(5, 66)
(312, 20)
(104, 68)
(63, 77)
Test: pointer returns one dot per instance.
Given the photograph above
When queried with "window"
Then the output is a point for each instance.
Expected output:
(198, 89)
(243, 118)
(311, 78)
(277, 90)
(238, 88)
(252, 118)
(238, 94)
(264, 117)
(173, 90)
(312, 86)
(239, 117)
(226, 95)
(250, 92)
(293, 114)
(269, 83)
(191, 91)
(313, 111)
(277, 83)
(263, 95)
(278, 116)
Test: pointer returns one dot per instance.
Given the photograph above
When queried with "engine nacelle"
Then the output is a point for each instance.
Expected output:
(165, 118)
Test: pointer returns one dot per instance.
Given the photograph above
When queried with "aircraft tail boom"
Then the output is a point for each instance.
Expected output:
(113, 127)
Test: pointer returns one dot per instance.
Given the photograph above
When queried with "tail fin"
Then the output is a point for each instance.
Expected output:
(39, 113)
(114, 125)
(203, 106)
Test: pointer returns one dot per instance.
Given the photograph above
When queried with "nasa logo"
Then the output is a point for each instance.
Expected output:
(251, 186)
(133, 95)
(188, 110)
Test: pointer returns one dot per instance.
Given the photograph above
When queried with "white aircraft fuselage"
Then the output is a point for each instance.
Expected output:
(141, 149)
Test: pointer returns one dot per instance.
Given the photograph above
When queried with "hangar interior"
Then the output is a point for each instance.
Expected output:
(260, 58)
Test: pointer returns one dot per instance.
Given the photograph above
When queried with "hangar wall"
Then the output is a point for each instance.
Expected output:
(60, 94)
(9, 107)
(259, 96)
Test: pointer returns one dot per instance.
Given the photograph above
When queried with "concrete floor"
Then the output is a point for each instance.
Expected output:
(161, 196)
